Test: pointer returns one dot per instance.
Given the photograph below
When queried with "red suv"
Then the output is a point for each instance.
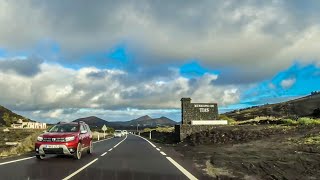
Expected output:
(65, 139)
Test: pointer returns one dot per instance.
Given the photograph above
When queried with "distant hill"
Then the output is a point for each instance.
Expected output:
(12, 116)
(148, 121)
(144, 121)
(94, 121)
(308, 106)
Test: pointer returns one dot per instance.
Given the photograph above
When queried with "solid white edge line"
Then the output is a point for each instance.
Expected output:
(163, 153)
(17, 160)
(104, 154)
(183, 170)
(76, 172)
(148, 141)
(158, 149)
(110, 149)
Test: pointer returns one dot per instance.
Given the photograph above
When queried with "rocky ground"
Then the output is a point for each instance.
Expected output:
(256, 152)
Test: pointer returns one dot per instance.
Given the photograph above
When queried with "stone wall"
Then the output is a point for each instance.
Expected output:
(184, 130)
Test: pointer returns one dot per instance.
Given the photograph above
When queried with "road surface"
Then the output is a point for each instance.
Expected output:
(130, 157)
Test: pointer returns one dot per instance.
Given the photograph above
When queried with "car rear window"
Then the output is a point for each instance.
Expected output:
(65, 128)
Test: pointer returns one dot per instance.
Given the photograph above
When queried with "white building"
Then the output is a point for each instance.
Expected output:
(29, 125)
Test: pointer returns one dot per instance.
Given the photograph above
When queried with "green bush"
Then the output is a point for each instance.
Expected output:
(301, 121)
(230, 120)
(308, 121)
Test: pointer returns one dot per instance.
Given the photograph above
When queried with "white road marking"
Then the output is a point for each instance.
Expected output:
(148, 141)
(118, 144)
(17, 160)
(158, 149)
(104, 154)
(183, 170)
(76, 172)
(163, 153)
(102, 140)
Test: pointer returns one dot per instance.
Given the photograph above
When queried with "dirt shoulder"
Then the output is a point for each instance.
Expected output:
(256, 152)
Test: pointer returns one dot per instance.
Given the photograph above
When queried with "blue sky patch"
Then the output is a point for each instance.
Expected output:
(194, 70)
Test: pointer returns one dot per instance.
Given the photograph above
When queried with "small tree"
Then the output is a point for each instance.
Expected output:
(7, 119)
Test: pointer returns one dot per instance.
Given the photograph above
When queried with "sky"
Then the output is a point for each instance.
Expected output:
(118, 60)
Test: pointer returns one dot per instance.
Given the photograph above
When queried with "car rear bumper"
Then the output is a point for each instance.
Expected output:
(59, 149)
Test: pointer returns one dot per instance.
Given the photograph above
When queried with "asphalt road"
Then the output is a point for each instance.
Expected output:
(130, 157)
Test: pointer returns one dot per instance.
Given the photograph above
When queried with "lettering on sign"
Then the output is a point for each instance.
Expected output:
(203, 105)
(204, 109)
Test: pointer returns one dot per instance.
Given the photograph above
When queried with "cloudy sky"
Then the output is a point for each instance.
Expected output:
(118, 60)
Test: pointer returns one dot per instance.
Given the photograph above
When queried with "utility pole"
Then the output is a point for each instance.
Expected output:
(137, 128)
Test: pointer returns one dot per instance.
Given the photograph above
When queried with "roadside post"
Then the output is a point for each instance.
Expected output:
(104, 128)
(150, 133)
(98, 136)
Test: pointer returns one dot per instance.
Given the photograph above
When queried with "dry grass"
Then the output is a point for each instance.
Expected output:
(230, 120)
(159, 129)
(95, 135)
(216, 172)
(26, 145)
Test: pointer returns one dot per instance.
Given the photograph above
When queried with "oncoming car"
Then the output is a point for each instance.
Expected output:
(125, 132)
(65, 139)
(117, 133)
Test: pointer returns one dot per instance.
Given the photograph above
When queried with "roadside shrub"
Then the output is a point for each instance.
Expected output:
(308, 121)
(289, 122)
(230, 120)
(301, 121)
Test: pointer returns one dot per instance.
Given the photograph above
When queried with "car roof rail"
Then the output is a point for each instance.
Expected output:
(61, 122)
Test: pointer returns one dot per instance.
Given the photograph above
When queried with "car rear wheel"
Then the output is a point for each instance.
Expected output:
(90, 150)
(77, 154)
(40, 157)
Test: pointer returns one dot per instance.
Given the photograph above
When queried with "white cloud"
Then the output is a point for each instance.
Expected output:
(287, 83)
(247, 34)
(57, 87)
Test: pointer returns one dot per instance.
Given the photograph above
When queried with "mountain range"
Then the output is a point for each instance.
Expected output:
(144, 121)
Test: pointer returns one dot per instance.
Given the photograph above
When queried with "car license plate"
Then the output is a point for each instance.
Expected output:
(52, 146)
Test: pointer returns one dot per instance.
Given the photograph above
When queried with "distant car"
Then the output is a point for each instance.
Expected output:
(125, 132)
(117, 133)
(65, 139)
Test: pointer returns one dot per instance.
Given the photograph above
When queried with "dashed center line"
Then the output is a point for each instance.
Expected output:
(158, 149)
(79, 170)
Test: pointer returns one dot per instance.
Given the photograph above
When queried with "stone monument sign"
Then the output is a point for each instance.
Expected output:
(199, 113)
